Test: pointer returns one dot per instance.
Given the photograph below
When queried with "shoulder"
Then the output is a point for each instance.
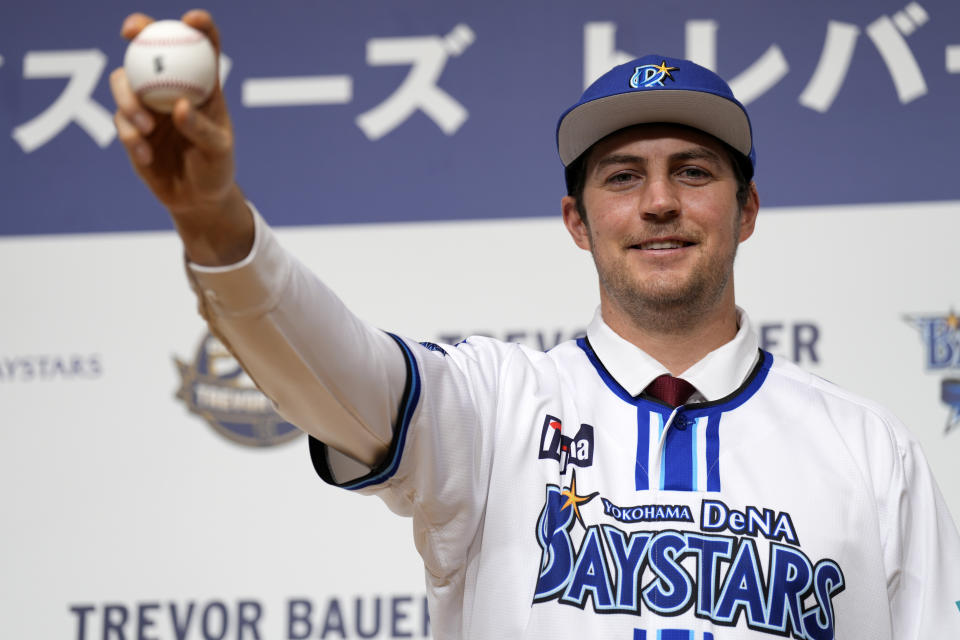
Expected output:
(789, 374)
(486, 357)
(847, 411)
(852, 431)
(480, 346)
(475, 348)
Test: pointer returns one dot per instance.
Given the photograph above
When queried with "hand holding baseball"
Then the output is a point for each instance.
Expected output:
(186, 157)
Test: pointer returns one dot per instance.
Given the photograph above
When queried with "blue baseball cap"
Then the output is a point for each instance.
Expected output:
(657, 89)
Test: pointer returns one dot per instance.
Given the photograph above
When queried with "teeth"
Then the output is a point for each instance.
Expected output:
(672, 244)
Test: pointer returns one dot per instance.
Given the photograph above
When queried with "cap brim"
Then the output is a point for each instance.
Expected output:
(587, 123)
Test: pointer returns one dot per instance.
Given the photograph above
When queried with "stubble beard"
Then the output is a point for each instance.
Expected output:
(662, 304)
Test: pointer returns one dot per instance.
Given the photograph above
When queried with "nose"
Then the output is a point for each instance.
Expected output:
(660, 199)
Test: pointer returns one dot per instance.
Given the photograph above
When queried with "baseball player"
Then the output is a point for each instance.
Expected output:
(587, 492)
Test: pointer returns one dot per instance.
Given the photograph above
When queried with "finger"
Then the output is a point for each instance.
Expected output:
(203, 21)
(199, 129)
(137, 148)
(134, 24)
(127, 102)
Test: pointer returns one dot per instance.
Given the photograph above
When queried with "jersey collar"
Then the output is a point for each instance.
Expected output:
(717, 375)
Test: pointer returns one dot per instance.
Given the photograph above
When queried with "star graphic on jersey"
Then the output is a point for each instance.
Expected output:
(574, 500)
(953, 320)
(665, 70)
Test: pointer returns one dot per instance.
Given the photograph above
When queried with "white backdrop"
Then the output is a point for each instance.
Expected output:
(122, 510)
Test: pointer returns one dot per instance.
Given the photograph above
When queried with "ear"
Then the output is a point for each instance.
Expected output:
(748, 215)
(577, 227)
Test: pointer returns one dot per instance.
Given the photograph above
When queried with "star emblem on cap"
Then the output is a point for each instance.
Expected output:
(665, 70)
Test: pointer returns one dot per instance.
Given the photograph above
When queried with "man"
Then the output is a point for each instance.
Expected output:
(586, 492)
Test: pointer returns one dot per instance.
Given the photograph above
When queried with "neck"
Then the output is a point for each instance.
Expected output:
(679, 344)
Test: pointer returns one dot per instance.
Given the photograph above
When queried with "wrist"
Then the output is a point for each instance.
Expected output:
(218, 233)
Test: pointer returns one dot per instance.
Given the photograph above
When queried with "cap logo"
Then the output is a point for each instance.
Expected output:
(651, 75)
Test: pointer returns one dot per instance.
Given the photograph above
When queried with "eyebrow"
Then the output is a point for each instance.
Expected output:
(619, 159)
(700, 153)
(697, 153)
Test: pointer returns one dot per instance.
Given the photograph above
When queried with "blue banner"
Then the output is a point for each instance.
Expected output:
(375, 110)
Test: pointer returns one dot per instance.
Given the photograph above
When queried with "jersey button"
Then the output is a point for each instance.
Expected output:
(681, 422)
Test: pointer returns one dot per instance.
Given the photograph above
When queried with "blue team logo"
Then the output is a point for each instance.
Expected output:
(941, 342)
(215, 388)
(649, 76)
(727, 580)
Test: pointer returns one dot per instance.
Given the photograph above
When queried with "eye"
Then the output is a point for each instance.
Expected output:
(621, 178)
(694, 174)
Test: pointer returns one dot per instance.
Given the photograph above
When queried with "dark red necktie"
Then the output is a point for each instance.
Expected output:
(673, 391)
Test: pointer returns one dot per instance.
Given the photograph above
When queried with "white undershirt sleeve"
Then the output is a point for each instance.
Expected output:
(326, 371)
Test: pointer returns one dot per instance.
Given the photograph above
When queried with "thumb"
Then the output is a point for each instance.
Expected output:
(198, 128)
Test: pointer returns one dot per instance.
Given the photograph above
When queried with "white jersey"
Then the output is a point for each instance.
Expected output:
(548, 501)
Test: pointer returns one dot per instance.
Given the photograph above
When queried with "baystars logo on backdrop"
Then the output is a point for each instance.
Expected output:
(941, 341)
(215, 388)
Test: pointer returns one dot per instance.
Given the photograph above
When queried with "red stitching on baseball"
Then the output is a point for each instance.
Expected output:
(171, 84)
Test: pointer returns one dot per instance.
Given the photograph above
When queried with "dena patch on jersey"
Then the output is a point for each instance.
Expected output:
(577, 450)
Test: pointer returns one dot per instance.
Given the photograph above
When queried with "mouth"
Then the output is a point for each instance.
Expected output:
(662, 244)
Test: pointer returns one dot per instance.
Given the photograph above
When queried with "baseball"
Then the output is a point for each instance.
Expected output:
(170, 59)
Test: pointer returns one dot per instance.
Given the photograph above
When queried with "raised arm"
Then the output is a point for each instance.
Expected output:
(328, 372)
